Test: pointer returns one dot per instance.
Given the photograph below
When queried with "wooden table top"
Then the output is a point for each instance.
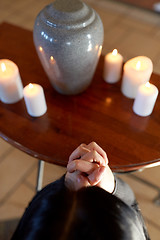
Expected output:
(101, 114)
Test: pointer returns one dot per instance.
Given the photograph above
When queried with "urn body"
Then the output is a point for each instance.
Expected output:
(68, 36)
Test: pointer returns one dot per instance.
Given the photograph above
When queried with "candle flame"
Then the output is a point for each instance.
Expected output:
(148, 84)
(138, 65)
(3, 67)
(30, 85)
(114, 52)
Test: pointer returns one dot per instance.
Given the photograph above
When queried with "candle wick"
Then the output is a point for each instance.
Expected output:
(114, 52)
(30, 85)
(148, 85)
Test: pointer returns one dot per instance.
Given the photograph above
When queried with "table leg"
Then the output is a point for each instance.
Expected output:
(40, 175)
(157, 200)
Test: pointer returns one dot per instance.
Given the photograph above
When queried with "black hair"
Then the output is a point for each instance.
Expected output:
(90, 213)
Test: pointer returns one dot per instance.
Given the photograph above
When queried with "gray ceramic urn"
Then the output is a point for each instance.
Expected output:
(68, 36)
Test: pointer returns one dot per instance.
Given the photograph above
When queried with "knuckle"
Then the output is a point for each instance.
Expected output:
(94, 153)
(94, 144)
(81, 146)
(77, 163)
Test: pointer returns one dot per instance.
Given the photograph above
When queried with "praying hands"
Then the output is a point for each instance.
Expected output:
(88, 166)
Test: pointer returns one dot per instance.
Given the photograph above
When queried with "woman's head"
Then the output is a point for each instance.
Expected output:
(90, 213)
(96, 214)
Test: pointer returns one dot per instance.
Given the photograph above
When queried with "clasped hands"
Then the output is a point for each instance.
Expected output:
(88, 166)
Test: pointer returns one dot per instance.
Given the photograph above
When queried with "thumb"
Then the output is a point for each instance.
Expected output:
(96, 176)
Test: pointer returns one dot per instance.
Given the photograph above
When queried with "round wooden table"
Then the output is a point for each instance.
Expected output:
(101, 114)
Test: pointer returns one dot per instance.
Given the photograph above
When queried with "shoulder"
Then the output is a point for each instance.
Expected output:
(41, 201)
(50, 189)
(124, 192)
(39, 206)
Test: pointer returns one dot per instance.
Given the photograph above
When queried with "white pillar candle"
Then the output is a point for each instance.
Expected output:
(145, 99)
(35, 100)
(112, 66)
(137, 71)
(11, 88)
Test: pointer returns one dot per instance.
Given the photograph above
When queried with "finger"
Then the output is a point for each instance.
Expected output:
(97, 148)
(82, 166)
(78, 152)
(96, 176)
(82, 181)
(75, 181)
(94, 157)
(108, 181)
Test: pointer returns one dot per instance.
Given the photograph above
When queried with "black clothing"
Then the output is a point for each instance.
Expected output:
(121, 191)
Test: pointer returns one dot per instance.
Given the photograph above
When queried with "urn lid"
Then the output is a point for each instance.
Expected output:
(68, 14)
(67, 5)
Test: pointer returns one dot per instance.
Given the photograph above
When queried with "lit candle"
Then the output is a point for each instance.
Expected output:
(145, 99)
(112, 66)
(35, 100)
(137, 71)
(11, 88)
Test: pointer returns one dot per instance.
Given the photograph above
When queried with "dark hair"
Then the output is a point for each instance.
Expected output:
(90, 213)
